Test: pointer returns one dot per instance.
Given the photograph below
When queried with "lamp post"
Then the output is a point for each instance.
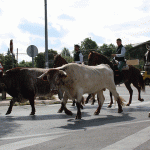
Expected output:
(46, 37)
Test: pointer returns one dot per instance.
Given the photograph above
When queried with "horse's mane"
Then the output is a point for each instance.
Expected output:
(104, 59)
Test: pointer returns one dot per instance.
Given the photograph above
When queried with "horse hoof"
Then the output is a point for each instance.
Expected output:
(86, 102)
(78, 117)
(120, 110)
(81, 107)
(109, 106)
(141, 100)
(32, 113)
(128, 104)
(96, 113)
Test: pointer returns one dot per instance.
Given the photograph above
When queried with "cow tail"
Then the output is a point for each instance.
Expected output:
(121, 101)
(142, 83)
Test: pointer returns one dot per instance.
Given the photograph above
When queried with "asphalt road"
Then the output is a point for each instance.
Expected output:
(48, 130)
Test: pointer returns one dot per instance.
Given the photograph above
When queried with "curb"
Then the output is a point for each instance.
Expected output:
(37, 102)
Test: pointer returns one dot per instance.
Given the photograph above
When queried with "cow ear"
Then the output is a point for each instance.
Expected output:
(62, 74)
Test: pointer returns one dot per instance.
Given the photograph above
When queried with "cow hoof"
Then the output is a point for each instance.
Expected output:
(68, 112)
(128, 104)
(78, 117)
(73, 104)
(7, 113)
(141, 100)
(120, 110)
(109, 106)
(96, 113)
(81, 107)
(60, 111)
(32, 113)
(86, 102)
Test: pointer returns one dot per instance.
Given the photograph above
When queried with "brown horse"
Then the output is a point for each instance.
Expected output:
(132, 75)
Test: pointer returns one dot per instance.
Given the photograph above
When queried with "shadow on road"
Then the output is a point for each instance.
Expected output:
(7, 126)
(82, 124)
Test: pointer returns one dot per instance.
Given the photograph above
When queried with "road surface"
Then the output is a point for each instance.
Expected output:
(48, 130)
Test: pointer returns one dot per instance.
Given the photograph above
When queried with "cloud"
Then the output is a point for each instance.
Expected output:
(70, 22)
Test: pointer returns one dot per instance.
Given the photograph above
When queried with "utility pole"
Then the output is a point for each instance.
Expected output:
(46, 37)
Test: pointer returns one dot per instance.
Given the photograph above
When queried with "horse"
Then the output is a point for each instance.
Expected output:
(132, 75)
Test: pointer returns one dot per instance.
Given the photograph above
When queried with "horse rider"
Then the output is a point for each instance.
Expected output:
(78, 57)
(120, 54)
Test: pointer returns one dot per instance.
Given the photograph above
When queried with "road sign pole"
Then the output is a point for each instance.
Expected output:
(46, 37)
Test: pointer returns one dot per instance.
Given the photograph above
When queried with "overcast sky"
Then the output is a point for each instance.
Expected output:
(70, 22)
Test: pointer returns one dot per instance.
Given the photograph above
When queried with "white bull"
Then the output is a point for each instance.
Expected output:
(77, 80)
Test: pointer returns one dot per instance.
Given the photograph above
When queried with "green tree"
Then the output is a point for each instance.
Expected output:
(24, 63)
(65, 52)
(8, 61)
(40, 59)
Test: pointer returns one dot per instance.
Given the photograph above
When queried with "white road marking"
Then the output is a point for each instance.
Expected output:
(28, 142)
(132, 141)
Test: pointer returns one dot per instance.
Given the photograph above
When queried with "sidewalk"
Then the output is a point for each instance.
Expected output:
(37, 101)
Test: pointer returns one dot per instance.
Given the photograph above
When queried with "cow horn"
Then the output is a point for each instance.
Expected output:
(43, 75)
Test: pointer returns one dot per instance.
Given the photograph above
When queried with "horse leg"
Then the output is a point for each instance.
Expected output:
(100, 98)
(87, 99)
(139, 91)
(93, 99)
(111, 101)
(128, 86)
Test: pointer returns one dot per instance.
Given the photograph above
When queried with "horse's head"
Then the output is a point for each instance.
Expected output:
(92, 59)
(59, 61)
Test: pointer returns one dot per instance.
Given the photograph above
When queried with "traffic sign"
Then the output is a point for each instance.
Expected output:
(32, 51)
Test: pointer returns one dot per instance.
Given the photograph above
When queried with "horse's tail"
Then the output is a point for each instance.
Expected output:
(142, 83)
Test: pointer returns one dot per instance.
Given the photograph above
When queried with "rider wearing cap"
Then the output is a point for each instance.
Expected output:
(78, 57)
(120, 54)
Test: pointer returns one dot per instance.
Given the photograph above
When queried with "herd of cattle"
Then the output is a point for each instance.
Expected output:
(70, 81)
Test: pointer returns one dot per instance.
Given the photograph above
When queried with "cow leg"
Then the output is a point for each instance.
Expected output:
(87, 99)
(93, 99)
(111, 101)
(73, 104)
(78, 116)
(78, 103)
(112, 89)
(127, 84)
(32, 106)
(12, 102)
(139, 91)
(63, 106)
(100, 98)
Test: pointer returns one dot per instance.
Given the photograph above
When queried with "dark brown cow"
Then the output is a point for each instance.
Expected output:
(22, 84)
